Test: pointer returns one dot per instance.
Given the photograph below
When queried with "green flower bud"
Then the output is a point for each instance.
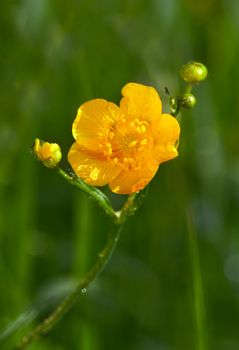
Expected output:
(193, 72)
(188, 101)
(48, 153)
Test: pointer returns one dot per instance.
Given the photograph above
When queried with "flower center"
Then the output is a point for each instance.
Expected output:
(126, 141)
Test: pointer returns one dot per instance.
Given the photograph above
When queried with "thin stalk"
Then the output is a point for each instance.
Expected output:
(175, 103)
(48, 323)
(188, 89)
(94, 193)
(131, 205)
(198, 297)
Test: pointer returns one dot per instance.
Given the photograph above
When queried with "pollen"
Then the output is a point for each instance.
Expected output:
(132, 143)
(141, 129)
(108, 152)
(111, 135)
(143, 142)
(140, 126)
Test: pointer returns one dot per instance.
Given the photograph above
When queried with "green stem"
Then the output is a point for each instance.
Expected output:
(131, 205)
(176, 102)
(94, 193)
(49, 322)
(188, 89)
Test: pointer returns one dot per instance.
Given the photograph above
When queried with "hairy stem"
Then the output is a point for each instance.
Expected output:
(93, 192)
(48, 323)
(131, 205)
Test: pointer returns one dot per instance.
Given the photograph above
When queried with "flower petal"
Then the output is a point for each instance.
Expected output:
(141, 102)
(91, 167)
(168, 132)
(93, 123)
(134, 180)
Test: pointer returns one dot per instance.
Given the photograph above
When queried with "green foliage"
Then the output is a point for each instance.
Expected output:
(57, 55)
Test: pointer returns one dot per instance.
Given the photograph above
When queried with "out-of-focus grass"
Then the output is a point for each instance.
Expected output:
(53, 57)
(201, 341)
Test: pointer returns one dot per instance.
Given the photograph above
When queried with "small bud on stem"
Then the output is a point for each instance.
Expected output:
(188, 101)
(48, 153)
(193, 72)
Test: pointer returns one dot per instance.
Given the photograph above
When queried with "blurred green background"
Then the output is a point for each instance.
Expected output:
(55, 55)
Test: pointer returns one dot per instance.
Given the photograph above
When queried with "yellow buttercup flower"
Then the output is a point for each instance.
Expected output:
(48, 153)
(122, 146)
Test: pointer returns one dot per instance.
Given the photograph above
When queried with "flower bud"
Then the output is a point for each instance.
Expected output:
(48, 153)
(188, 101)
(193, 72)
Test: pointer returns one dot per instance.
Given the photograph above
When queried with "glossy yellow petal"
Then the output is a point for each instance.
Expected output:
(123, 146)
(92, 168)
(94, 122)
(168, 134)
(140, 101)
(134, 180)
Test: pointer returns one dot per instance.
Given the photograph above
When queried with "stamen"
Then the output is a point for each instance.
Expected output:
(143, 142)
(132, 143)
(139, 125)
(141, 129)
(108, 152)
(111, 135)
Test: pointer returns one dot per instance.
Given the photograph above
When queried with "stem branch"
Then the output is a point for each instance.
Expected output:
(94, 193)
(131, 205)
(48, 323)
